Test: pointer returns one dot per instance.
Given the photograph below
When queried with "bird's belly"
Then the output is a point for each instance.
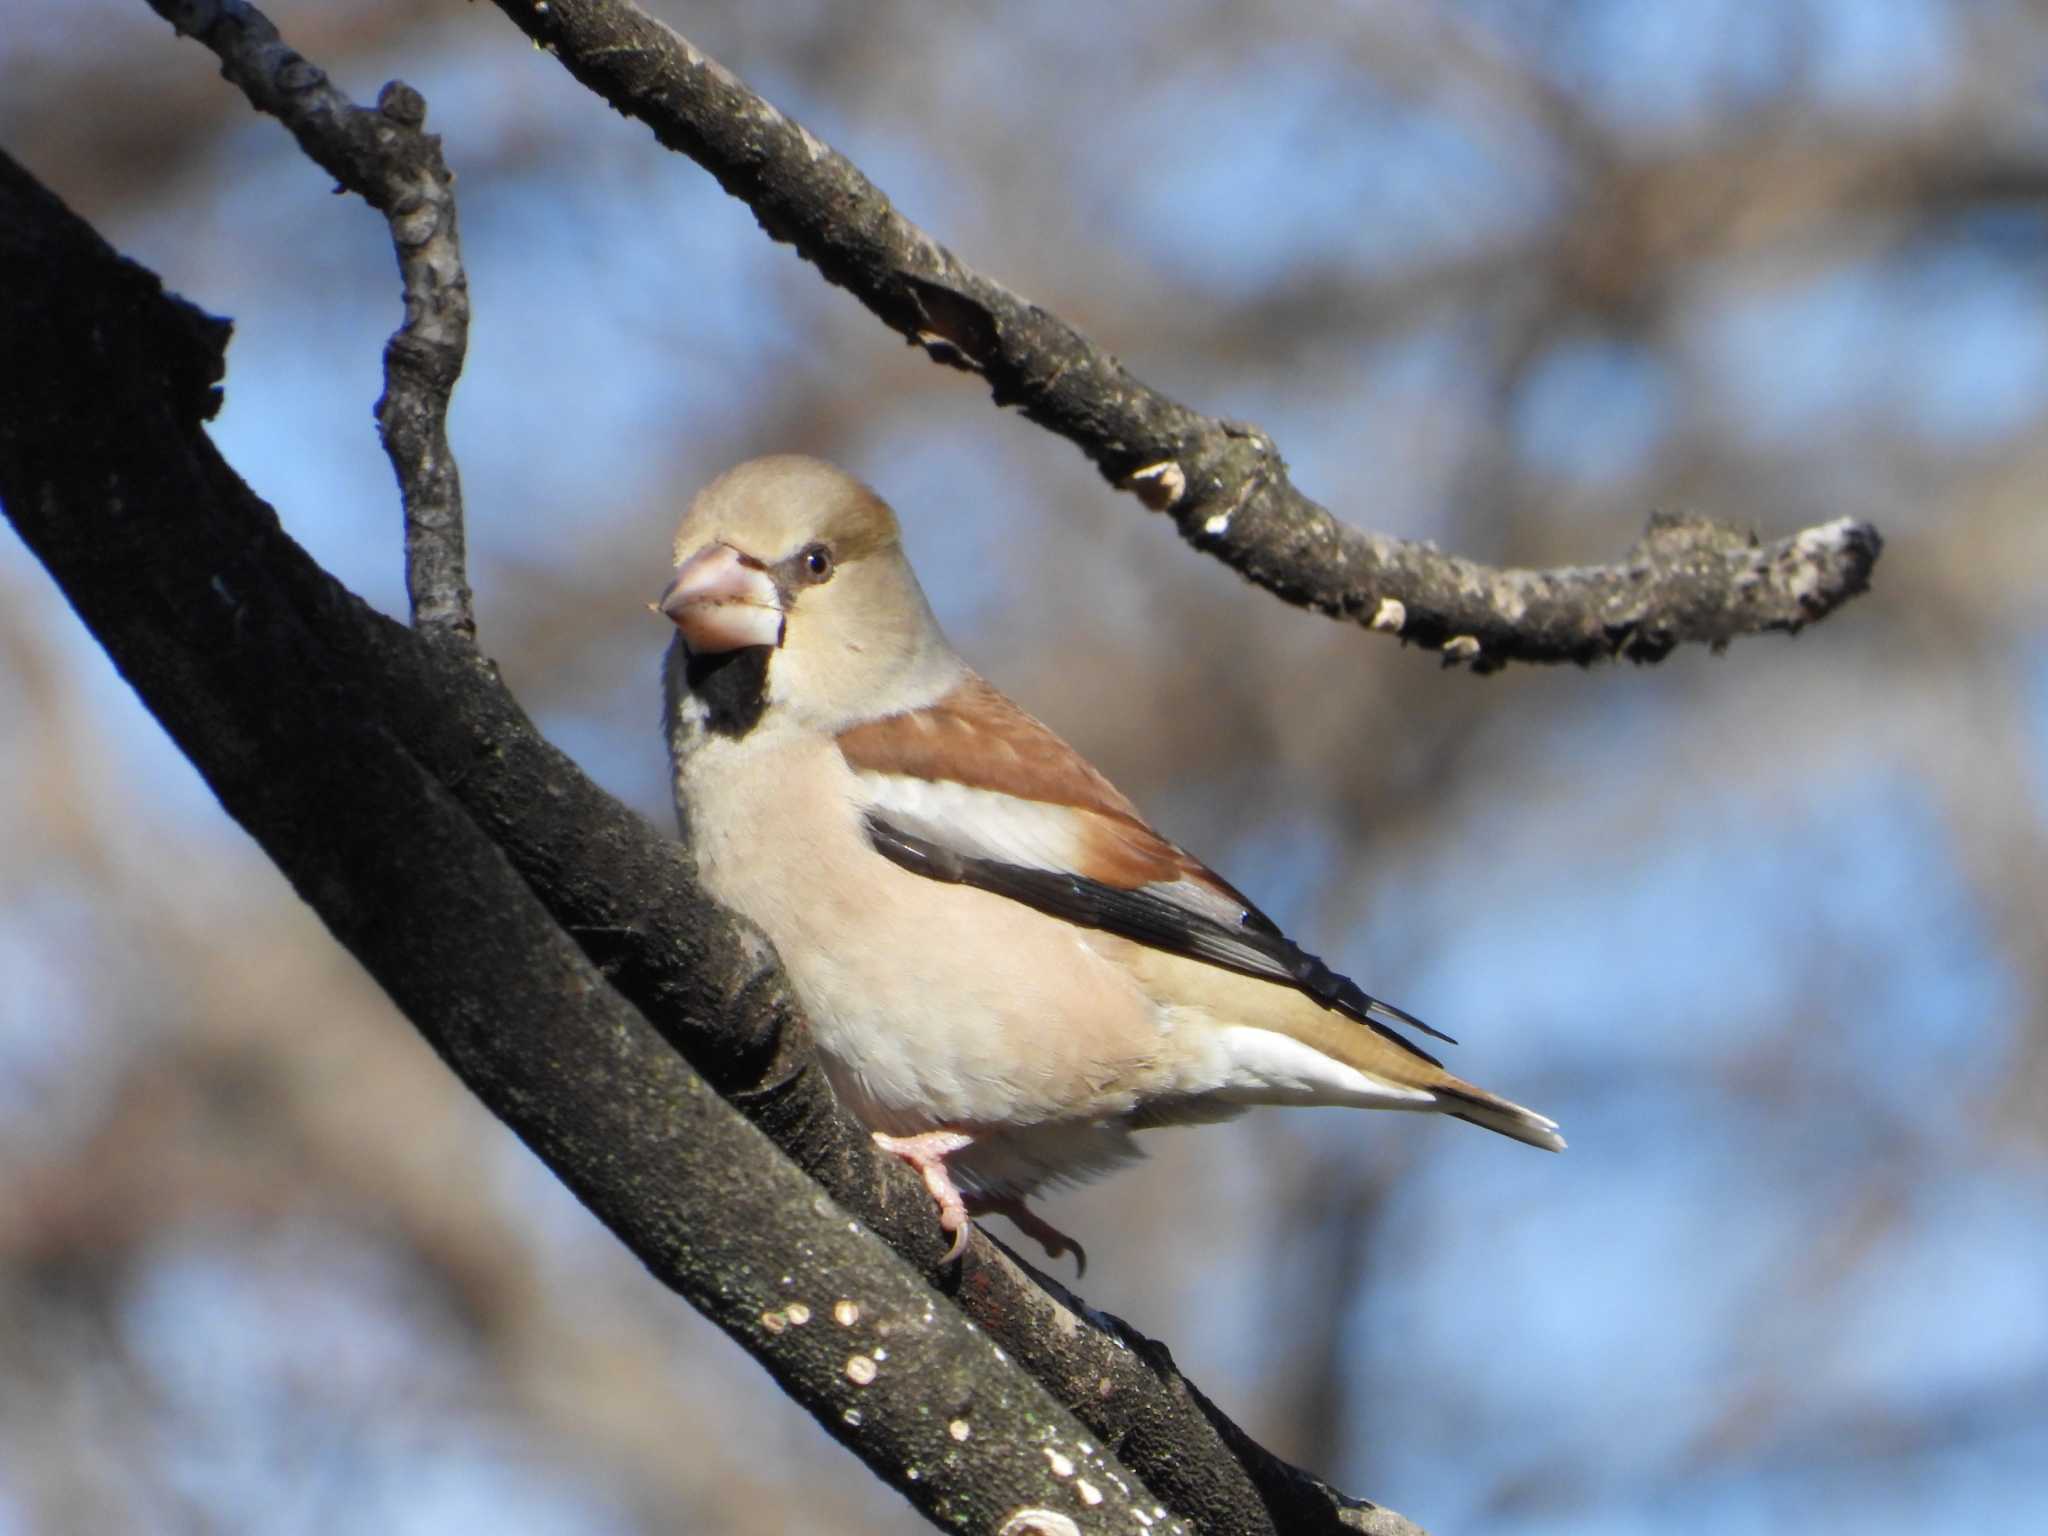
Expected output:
(928, 1016)
(932, 1005)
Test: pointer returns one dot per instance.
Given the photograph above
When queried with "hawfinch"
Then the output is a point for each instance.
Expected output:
(1008, 971)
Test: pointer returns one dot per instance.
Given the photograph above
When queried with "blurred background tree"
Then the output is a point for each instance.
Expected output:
(1765, 932)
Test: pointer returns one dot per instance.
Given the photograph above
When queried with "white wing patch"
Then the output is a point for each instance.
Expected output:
(975, 823)
(988, 824)
(1263, 1066)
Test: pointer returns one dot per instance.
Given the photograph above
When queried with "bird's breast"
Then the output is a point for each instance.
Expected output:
(932, 1004)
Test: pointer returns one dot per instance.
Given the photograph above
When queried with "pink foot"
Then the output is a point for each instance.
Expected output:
(927, 1153)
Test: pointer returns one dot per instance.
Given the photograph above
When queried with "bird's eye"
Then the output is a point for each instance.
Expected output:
(815, 561)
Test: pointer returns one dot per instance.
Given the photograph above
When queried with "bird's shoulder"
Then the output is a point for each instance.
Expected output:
(997, 762)
(970, 789)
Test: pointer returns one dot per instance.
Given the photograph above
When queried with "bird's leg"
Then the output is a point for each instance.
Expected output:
(1032, 1225)
(927, 1153)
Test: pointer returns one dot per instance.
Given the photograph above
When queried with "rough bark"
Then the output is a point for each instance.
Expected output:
(517, 915)
(1690, 580)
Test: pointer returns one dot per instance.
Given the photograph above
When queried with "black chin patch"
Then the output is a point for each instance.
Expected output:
(733, 686)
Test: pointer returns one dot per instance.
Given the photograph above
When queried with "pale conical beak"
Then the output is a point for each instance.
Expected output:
(722, 601)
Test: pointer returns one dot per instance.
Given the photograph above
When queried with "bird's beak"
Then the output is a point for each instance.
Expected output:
(722, 601)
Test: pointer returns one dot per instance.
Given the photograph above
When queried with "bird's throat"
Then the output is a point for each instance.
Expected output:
(733, 686)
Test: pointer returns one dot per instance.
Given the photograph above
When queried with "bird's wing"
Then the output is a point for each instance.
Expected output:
(974, 791)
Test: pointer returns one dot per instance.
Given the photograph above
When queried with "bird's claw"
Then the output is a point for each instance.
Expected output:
(927, 1153)
(1034, 1226)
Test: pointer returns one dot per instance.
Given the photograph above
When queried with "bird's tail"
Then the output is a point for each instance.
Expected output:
(1477, 1106)
(1281, 1046)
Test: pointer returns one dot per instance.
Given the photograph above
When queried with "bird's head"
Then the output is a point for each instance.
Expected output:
(791, 592)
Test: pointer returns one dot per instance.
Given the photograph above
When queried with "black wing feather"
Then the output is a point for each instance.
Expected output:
(1254, 946)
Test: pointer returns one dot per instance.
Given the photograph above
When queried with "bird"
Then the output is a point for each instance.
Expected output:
(1007, 971)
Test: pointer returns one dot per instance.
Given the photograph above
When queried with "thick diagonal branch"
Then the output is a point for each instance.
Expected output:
(1690, 581)
(261, 667)
(270, 673)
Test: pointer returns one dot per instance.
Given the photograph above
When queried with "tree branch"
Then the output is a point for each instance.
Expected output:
(393, 779)
(228, 632)
(1690, 580)
(386, 158)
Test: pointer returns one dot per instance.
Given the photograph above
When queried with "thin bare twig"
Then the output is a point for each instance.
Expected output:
(385, 157)
(1121, 1385)
(219, 621)
(1690, 581)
